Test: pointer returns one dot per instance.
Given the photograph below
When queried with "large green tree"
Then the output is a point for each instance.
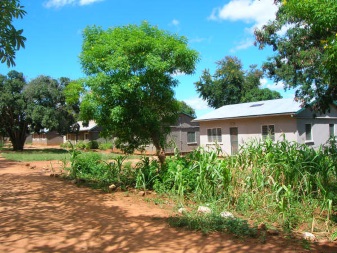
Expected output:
(185, 108)
(11, 39)
(304, 38)
(131, 73)
(32, 107)
(230, 84)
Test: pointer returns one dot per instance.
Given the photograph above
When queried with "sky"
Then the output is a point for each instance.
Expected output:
(215, 29)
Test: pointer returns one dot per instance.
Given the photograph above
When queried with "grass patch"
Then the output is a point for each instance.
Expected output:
(37, 155)
(207, 223)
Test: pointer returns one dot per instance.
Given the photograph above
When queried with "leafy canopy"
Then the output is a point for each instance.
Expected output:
(11, 39)
(185, 108)
(34, 106)
(306, 54)
(131, 78)
(230, 84)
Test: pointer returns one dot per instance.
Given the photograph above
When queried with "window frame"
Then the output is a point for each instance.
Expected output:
(306, 132)
(270, 130)
(194, 137)
(331, 130)
(214, 134)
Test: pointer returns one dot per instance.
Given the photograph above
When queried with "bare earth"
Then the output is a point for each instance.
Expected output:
(39, 213)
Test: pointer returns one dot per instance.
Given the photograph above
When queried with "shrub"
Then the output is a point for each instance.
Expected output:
(105, 146)
(91, 145)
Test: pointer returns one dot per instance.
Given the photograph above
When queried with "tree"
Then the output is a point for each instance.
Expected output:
(13, 122)
(11, 39)
(34, 106)
(131, 78)
(306, 54)
(232, 85)
(46, 105)
(185, 108)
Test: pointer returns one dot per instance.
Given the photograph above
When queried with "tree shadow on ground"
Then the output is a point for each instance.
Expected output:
(43, 214)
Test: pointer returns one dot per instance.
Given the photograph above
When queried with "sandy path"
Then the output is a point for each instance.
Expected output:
(39, 213)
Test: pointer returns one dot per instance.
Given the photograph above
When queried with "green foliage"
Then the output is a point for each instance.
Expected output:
(207, 223)
(230, 84)
(105, 145)
(46, 104)
(185, 108)
(147, 173)
(11, 39)
(34, 107)
(92, 145)
(37, 155)
(306, 54)
(131, 78)
(281, 181)
(95, 170)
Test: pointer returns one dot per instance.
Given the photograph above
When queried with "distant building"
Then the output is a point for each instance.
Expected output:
(184, 136)
(45, 138)
(232, 125)
(87, 132)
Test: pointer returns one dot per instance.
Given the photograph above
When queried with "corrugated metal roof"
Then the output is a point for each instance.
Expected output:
(253, 109)
(90, 126)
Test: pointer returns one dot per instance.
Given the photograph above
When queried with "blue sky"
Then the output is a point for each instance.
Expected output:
(215, 29)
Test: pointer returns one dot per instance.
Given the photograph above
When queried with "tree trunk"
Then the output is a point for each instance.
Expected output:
(17, 137)
(160, 152)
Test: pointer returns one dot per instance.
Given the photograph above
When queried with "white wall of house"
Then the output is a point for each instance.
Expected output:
(248, 129)
(293, 127)
(322, 126)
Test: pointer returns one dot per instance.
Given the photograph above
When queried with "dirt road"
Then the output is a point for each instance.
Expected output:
(39, 213)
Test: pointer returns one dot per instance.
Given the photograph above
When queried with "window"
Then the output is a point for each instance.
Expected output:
(331, 130)
(308, 135)
(214, 135)
(268, 131)
(191, 137)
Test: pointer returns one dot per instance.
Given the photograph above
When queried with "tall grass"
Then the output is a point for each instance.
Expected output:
(283, 183)
(36, 155)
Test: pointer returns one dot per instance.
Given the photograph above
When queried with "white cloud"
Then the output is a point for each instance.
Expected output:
(244, 44)
(197, 103)
(175, 22)
(256, 12)
(199, 40)
(266, 83)
(61, 3)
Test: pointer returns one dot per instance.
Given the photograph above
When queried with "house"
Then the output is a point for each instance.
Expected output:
(46, 138)
(232, 125)
(184, 136)
(86, 132)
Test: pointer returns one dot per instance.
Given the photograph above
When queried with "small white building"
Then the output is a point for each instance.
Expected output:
(232, 125)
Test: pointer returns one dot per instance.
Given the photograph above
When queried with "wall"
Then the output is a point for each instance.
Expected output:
(178, 135)
(320, 126)
(248, 129)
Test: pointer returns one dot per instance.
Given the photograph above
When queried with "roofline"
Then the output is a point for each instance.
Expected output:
(245, 117)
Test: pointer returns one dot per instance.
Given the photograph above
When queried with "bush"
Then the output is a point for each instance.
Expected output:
(105, 146)
(91, 145)
(81, 145)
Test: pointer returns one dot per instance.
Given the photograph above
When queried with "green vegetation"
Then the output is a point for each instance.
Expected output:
(130, 79)
(11, 39)
(230, 84)
(303, 36)
(281, 184)
(34, 107)
(37, 155)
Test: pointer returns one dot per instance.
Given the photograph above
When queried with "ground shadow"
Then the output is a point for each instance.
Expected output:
(43, 214)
